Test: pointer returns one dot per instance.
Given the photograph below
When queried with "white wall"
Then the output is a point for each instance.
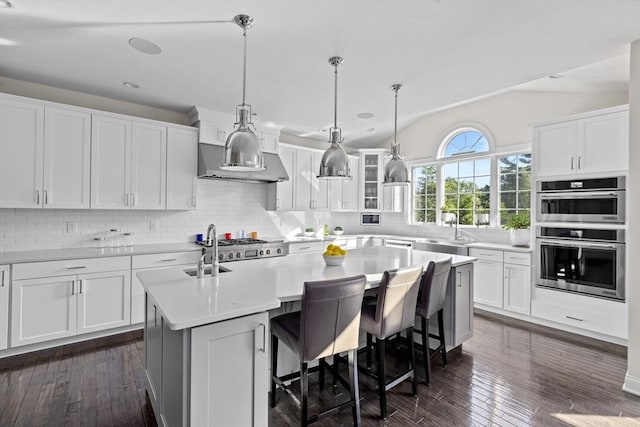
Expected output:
(632, 379)
(508, 117)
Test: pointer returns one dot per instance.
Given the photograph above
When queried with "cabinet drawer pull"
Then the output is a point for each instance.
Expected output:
(304, 248)
(37, 197)
(459, 279)
(2, 278)
(262, 348)
(77, 268)
(168, 260)
(574, 318)
(579, 161)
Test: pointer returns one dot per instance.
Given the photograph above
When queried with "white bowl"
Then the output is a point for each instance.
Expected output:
(309, 233)
(334, 260)
(338, 232)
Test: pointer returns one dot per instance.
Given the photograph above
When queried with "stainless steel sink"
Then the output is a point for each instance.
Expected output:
(444, 246)
(193, 272)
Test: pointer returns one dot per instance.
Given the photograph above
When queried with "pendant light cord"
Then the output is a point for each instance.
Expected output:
(244, 67)
(335, 99)
(395, 123)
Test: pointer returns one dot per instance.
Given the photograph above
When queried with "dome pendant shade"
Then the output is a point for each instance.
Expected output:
(242, 152)
(395, 171)
(335, 162)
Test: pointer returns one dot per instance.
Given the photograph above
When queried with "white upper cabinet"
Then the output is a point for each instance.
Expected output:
(45, 155)
(128, 164)
(182, 168)
(148, 166)
(344, 193)
(110, 163)
(372, 174)
(393, 197)
(311, 193)
(21, 153)
(596, 144)
(67, 159)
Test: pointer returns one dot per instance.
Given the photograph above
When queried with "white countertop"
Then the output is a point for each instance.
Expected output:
(262, 284)
(77, 253)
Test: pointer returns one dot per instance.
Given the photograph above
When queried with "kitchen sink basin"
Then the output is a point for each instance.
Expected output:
(455, 247)
(193, 272)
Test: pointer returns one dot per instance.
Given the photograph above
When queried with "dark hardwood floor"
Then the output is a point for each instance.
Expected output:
(510, 374)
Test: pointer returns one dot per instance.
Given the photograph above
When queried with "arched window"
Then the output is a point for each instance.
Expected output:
(465, 141)
(466, 183)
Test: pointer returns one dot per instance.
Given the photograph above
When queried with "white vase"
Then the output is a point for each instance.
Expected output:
(520, 237)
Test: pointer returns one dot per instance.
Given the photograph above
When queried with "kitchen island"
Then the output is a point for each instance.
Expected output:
(206, 356)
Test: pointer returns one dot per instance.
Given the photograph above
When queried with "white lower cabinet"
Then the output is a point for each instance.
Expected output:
(502, 280)
(4, 306)
(301, 247)
(211, 375)
(63, 305)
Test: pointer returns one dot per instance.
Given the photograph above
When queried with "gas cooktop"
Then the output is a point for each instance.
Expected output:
(241, 249)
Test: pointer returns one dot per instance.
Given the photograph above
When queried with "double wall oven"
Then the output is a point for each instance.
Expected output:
(580, 240)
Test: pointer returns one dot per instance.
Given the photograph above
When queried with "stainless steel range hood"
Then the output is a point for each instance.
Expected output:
(211, 157)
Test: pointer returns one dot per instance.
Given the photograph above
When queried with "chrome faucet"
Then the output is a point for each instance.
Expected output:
(210, 249)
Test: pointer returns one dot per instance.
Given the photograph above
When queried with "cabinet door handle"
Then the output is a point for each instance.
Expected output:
(574, 318)
(459, 279)
(579, 161)
(80, 267)
(133, 199)
(277, 203)
(262, 347)
(507, 273)
(80, 283)
(73, 287)
(2, 279)
(168, 260)
(126, 199)
(571, 163)
(37, 197)
(46, 197)
(193, 201)
(155, 316)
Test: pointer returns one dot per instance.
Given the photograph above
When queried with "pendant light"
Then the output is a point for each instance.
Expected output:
(335, 162)
(242, 151)
(395, 171)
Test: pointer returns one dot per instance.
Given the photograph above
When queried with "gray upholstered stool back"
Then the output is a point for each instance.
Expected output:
(330, 316)
(396, 305)
(433, 289)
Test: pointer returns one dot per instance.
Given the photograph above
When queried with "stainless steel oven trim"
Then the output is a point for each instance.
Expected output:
(598, 218)
(619, 248)
(621, 185)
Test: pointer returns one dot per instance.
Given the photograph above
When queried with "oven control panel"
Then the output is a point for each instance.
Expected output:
(244, 252)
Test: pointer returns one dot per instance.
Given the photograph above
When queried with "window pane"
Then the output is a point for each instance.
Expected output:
(524, 181)
(466, 217)
(507, 200)
(507, 164)
(505, 214)
(431, 187)
(466, 185)
(431, 201)
(451, 186)
(524, 199)
(418, 216)
(483, 202)
(483, 167)
(450, 170)
(431, 216)
(483, 183)
(419, 180)
(451, 201)
(466, 142)
(419, 202)
(465, 168)
(524, 162)
(508, 182)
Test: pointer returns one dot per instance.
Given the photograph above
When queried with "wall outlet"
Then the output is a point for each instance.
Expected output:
(153, 225)
(72, 227)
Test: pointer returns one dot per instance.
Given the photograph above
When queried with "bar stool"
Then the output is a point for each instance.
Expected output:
(433, 292)
(393, 313)
(327, 324)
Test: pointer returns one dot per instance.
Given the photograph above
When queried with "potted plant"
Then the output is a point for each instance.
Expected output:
(482, 217)
(518, 225)
(309, 231)
(338, 230)
(448, 214)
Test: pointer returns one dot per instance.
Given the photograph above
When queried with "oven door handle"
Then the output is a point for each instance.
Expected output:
(579, 195)
(577, 245)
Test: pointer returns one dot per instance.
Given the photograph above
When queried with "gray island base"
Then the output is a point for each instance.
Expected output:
(206, 355)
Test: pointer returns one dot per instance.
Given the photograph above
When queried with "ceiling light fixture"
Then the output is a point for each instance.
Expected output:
(145, 46)
(6, 4)
(131, 85)
(335, 163)
(395, 171)
(242, 151)
(556, 76)
(365, 115)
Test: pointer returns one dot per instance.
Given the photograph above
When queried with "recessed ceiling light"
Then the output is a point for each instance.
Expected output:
(6, 4)
(556, 76)
(131, 85)
(365, 115)
(371, 129)
(144, 46)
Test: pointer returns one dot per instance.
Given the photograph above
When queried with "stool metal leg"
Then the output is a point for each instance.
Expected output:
(304, 394)
(382, 393)
(321, 373)
(441, 333)
(412, 362)
(426, 357)
(274, 369)
(369, 345)
(355, 390)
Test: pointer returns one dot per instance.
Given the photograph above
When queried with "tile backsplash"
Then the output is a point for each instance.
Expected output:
(231, 206)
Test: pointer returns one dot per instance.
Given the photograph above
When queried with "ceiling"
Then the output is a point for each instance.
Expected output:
(443, 51)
